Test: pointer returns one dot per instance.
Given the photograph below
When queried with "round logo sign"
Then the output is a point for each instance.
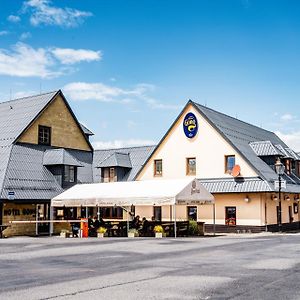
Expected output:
(190, 125)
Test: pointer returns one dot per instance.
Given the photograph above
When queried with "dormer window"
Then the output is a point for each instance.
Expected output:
(288, 166)
(69, 174)
(44, 135)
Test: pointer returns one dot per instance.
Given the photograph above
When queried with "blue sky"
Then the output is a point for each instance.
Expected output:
(128, 67)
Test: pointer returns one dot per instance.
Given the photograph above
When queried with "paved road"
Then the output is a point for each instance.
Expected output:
(264, 266)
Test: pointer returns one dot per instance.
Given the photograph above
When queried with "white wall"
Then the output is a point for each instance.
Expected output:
(209, 148)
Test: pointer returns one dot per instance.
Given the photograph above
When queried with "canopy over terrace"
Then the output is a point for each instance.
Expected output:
(150, 192)
(138, 193)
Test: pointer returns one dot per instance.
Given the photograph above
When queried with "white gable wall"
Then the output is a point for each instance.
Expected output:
(208, 146)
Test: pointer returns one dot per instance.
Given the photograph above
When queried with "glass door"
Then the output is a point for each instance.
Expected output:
(43, 214)
(230, 216)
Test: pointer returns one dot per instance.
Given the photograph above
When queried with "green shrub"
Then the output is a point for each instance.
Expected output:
(193, 228)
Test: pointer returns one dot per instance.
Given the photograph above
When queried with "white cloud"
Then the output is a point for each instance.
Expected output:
(44, 13)
(25, 35)
(122, 143)
(83, 91)
(291, 139)
(4, 32)
(13, 19)
(99, 91)
(287, 117)
(69, 56)
(25, 61)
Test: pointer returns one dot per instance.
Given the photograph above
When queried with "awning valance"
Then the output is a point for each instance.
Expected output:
(141, 193)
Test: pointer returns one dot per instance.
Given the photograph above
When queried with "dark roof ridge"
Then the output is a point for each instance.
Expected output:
(247, 123)
(21, 98)
(130, 147)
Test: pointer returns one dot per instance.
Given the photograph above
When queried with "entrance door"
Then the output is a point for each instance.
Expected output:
(192, 213)
(230, 216)
(43, 213)
(291, 214)
(157, 213)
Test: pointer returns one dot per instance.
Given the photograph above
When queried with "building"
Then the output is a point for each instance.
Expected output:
(208, 145)
(45, 150)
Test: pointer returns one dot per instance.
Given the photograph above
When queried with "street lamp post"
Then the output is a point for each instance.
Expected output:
(279, 167)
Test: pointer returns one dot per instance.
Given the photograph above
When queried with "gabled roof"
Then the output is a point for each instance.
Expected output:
(60, 157)
(239, 135)
(16, 115)
(137, 155)
(116, 159)
(86, 130)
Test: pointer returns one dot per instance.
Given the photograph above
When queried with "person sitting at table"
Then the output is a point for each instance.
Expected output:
(145, 225)
(75, 228)
(92, 231)
(96, 223)
(101, 222)
(136, 223)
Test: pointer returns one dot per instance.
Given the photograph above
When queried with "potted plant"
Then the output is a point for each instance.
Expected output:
(158, 231)
(65, 233)
(133, 233)
(101, 231)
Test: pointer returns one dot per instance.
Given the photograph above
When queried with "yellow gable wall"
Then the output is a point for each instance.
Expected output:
(65, 133)
(209, 148)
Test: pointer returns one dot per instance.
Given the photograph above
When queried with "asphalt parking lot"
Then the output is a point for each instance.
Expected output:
(263, 266)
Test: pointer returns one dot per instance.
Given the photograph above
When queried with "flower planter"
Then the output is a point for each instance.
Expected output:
(158, 235)
(64, 234)
(100, 235)
(132, 234)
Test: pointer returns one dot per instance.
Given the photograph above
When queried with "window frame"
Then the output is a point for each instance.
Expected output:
(111, 171)
(226, 170)
(188, 213)
(159, 209)
(232, 221)
(67, 174)
(155, 169)
(43, 127)
(113, 212)
(188, 173)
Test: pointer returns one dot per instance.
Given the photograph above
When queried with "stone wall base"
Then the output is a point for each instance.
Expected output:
(251, 229)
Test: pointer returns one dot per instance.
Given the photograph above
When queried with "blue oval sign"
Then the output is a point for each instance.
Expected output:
(190, 125)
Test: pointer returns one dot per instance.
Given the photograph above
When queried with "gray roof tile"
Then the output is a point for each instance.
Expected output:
(60, 157)
(231, 185)
(240, 134)
(265, 148)
(137, 155)
(116, 159)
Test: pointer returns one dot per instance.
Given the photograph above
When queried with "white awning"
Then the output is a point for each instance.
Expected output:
(148, 192)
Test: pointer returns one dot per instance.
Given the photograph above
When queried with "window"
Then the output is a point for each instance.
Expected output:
(111, 212)
(44, 137)
(191, 166)
(111, 174)
(158, 167)
(297, 166)
(288, 166)
(157, 213)
(230, 216)
(229, 163)
(192, 213)
(69, 174)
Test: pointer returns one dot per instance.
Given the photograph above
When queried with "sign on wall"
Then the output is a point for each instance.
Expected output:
(190, 125)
